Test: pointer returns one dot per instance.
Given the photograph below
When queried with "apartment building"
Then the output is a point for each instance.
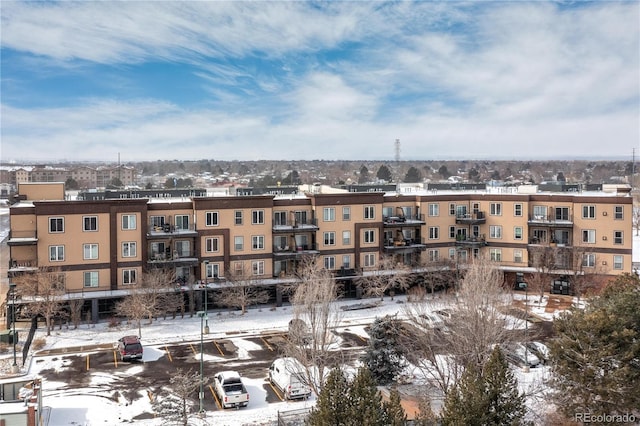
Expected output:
(103, 246)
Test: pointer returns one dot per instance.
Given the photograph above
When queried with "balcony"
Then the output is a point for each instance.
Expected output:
(168, 230)
(403, 220)
(475, 218)
(17, 265)
(293, 251)
(306, 225)
(175, 259)
(22, 238)
(404, 244)
(472, 241)
(551, 221)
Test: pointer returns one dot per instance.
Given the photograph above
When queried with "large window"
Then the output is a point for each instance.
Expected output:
(212, 244)
(589, 236)
(213, 270)
(90, 223)
(257, 267)
(90, 279)
(128, 221)
(156, 221)
(257, 217)
(434, 209)
(129, 276)
(495, 231)
(434, 255)
(56, 253)
(434, 232)
(90, 251)
(329, 238)
(182, 221)
(495, 254)
(589, 260)
(129, 249)
(540, 212)
(329, 214)
(280, 218)
(329, 262)
(369, 260)
(212, 219)
(238, 243)
(183, 248)
(257, 242)
(495, 209)
(56, 224)
(369, 236)
(369, 212)
(588, 212)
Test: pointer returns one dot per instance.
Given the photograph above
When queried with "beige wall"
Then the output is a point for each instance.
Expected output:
(42, 190)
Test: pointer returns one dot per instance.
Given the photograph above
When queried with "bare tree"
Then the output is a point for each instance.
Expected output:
(43, 291)
(75, 311)
(585, 268)
(543, 259)
(313, 303)
(636, 219)
(242, 289)
(442, 351)
(134, 308)
(390, 275)
(439, 274)
(176, 405)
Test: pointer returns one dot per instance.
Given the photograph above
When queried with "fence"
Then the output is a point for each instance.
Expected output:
(293, 417)
(27, 343)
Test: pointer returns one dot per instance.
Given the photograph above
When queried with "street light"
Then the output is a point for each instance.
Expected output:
(12, 289)
(206, 273)
(202, 315)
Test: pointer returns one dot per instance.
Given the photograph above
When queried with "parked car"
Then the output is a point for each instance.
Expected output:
(230, 390)
(520, 355)
(539, 349)
(287, 374)
(129, 347)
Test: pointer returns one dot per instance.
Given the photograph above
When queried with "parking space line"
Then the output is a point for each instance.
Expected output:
(266, 344)
(218, 347)
(166, 349)
(276, 391)
(193, 348)
(87, 362)
(215, 397)
(115, 358)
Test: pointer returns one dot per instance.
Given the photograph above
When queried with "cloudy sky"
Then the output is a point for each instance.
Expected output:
(243, 80)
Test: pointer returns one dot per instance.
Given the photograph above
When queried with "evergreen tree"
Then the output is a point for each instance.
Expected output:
(365, 401)
(413, 175)
(465, 403)
(384, 357)
(332, 407)
(384, 174)
(393, 411)
(363, 176)
(596, 354)
(444, 172)
(425, 415)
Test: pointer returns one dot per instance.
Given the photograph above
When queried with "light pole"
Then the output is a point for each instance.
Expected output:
(526, 327)
(202, 315)
(206, 274)
(12, 289)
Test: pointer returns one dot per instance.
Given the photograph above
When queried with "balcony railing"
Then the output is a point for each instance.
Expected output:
(404, 243)
(474, 218)
(289, 224)
(471, 240)
(279, 249)
(168, 229)
(551, 220)
(171, 257)
(18, 238)
(400, 220)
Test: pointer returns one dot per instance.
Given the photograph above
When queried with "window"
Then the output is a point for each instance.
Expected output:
(346, 261)
(238, 243)
(346, 213)
(90, 279)
(329, 214)
(434, 255)
(434, 232)
(90, 223)
(617, 262)
(257, 217)
(129, 249)
(618, 212)
(369, 236)
(495, 209)
(238, 268)
(211, 219)
(212, 244)
(369, 212)
(452, 254)
(452, 209)
(495, 231)
(495, 254)
(279, 218)
(56, 253)
(589, 236)
(329, 262)
(517, 256)
(562, 213)
(257, 267)
(540, 212)
(329, 238)
(90, 251)
(182, 221)
(517, 232)
(257, 242)
(369, 260)
(129, 276)
(128, 221)
(434, 209)
(156, 221)
(517, 210)
(346, 238)
(617, 237)
(212, 270)
(588, 212)
(183, 248)
(452, 232)
(56, 224)
(589, 260)
(238, 217)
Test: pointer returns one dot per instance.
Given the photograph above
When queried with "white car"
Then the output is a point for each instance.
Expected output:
(539, 349)
(520, 355)
(287, 374)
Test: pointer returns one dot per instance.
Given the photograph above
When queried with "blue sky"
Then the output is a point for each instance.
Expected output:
(242, 80)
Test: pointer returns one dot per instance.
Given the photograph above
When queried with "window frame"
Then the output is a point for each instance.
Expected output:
(588, 211)
(130, 247)
(59, 253)
(518, 256)
(127, 275)
(515, 233)
(328, 214)
(369, 236)
(91, 247)
(369, 260)
(590, 235)
(92, 222)
(346, 213)
(434, 232)
(257, 268)
(257, 217)
(212, 218)
(518, 211)
(618, 237)
(369, 213)
(495, 209)
(238, 243)
(588, 260)
(495, 254)
(618, 212)
(257, 242)
(329, 238)
(92, 278)
(346, 238)
(128, 222)
(56, 225)
(434, 209)
(618, 262)
(237, 217)
(212, 244)
(495, 232)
